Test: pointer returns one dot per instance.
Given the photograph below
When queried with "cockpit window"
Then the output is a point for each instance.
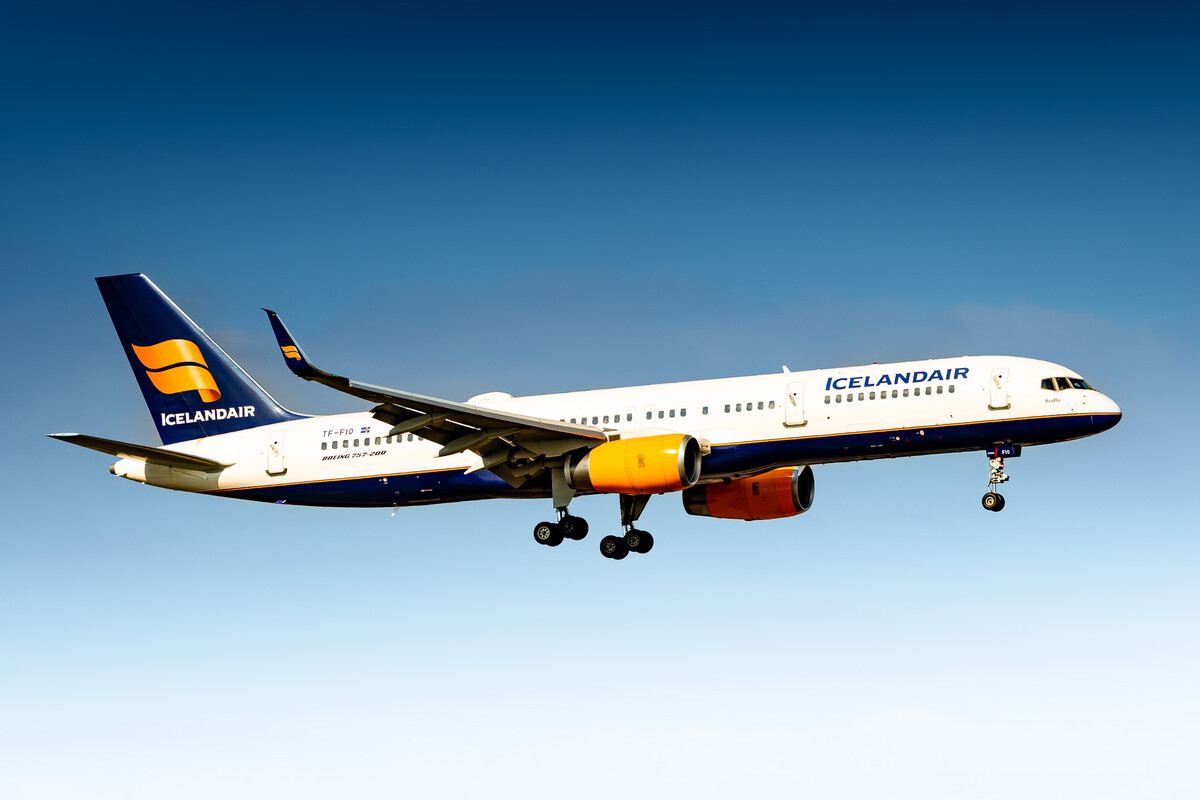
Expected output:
(1059, 384)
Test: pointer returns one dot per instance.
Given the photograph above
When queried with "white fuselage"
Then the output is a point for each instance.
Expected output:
(747, 425)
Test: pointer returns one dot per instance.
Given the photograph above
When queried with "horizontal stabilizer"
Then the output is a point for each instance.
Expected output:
(141, 452)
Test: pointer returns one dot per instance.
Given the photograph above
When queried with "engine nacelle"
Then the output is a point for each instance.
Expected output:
(779, 493)
(641, 465)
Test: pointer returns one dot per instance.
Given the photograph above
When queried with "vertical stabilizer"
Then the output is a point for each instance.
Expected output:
(192, 387)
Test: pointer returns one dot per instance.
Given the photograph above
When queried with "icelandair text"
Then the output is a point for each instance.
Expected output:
(207, 415)
(920, 376)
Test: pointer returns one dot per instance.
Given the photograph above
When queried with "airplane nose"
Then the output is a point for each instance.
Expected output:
(1106, 413)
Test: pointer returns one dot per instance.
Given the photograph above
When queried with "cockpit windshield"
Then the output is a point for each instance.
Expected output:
(1059, 384)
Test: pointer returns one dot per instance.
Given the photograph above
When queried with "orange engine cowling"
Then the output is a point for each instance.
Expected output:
(642, 465)
(776, 494)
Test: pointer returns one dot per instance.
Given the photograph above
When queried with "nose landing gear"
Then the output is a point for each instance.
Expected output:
(993, 500)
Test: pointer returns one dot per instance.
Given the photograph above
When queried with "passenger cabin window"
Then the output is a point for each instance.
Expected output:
(324, 445)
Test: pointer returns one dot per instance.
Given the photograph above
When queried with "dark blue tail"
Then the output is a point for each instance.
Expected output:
(192, 387)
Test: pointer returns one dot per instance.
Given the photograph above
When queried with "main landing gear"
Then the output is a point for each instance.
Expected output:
(634, 540)
(552, 534)
(993, 500)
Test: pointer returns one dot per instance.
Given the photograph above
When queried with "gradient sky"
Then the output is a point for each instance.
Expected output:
(545, 198)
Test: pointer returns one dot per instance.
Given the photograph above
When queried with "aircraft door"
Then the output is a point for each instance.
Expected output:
(275, 464)
(793, 405)
(998, 390)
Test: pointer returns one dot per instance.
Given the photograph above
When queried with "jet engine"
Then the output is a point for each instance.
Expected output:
(779, 493)
(641, 465)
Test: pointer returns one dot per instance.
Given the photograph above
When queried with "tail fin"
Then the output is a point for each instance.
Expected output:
(192, 387)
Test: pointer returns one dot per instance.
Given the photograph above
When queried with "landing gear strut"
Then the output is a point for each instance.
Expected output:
(993, 500)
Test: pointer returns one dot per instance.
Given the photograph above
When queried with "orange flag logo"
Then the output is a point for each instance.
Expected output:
(177, 365)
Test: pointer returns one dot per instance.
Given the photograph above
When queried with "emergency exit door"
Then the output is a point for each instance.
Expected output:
(275, 465)
(793, 405)
(998, 390)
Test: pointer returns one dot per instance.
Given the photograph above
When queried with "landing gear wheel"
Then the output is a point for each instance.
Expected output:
(993, 501)
(639, 541)
(614, 547)
(573, 527)
(548, 533)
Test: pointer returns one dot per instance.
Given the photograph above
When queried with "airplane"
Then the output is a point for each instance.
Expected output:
(732, 448)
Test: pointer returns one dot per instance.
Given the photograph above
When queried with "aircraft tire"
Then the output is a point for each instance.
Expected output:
(993, 501)
(573, 527)
(548, 533)
(614, 547)
(639, 541)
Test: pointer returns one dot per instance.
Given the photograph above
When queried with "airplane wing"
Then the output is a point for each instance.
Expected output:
(513, 446)
(141, 452)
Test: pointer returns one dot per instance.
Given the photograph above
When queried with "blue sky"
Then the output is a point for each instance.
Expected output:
(536, 199)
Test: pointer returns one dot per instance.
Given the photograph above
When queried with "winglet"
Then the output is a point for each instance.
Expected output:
(294, 357)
